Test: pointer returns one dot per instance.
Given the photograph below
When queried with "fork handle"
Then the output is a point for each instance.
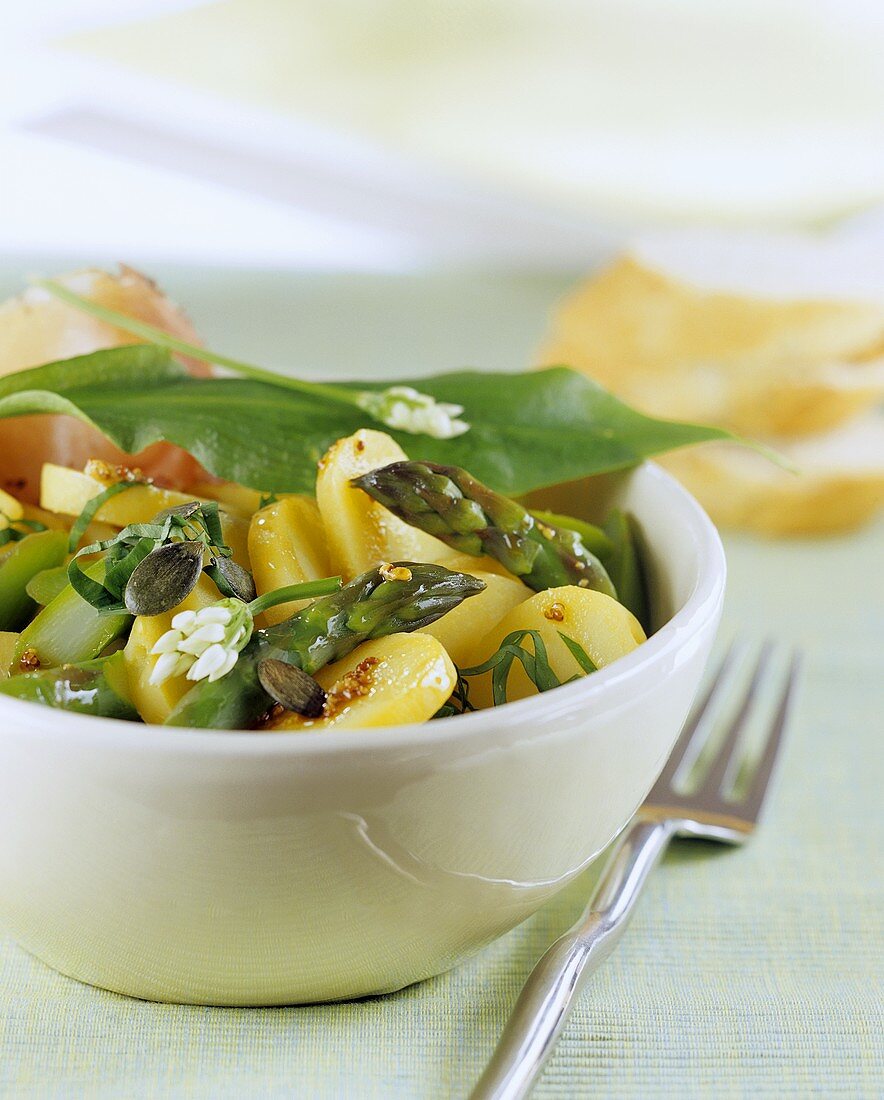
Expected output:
(548, 996)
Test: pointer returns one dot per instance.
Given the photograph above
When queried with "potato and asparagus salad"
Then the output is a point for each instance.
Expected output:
(251, 550)
(402, 591)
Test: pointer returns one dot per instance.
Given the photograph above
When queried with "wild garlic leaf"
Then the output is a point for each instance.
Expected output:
(536, 428)
(528, 429)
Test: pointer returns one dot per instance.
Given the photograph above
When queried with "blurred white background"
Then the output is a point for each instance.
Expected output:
(398, 134)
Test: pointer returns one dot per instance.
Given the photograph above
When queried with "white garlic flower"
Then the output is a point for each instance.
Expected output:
(407, 410)
(204, 644)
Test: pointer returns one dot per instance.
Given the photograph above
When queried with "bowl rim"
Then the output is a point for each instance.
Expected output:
(603, 688)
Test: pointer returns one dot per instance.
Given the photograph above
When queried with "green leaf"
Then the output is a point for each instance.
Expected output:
(117, 368)
(539, 428)
(528, 429)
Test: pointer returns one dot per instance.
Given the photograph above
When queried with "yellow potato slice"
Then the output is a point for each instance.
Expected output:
(57, 522)
(392, 681)
(837, 483)
(66, 492)
(287, 546)
(154, 702)
(757, 364)
(10, 509)
(236, 534)
(361, 533)
(238, 498)
(95, 532)
(460, 629)
(598, 623)
(8, 642)
(474, 566)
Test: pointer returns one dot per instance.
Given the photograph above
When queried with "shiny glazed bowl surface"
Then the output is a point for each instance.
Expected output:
(246, 869)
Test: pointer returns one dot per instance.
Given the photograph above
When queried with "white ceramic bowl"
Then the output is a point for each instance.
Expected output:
(242, 868)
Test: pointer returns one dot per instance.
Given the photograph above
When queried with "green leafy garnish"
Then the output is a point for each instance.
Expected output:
(459, 701)
(197, 525)
(536, 665)
(529, 429)
(398, 406)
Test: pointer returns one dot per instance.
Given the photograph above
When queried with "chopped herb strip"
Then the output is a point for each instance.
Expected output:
(211, 520)
(579, 654)
(625, 566)
(459, 701)
(196, 525)
(536, 665)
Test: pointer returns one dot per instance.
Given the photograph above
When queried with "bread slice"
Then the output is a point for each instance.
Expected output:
(838, 486)
(761, 366)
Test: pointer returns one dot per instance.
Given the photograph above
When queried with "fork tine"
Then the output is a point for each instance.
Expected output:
(751, 805)
(722, 761)
(699, 709)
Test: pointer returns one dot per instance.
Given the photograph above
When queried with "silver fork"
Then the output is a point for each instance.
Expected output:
(713, 811)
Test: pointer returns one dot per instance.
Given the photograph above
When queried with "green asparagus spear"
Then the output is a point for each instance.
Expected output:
(593, 538)
(624, 564)
(92, 687)
(69, 630)
(46, 585)
(451, 504)
(393, 599)
(23, 561)
(8, 640)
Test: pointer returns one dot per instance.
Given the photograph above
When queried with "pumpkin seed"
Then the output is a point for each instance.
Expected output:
(233, 579)
(291, 687)
(164, 578)
(185, 511)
